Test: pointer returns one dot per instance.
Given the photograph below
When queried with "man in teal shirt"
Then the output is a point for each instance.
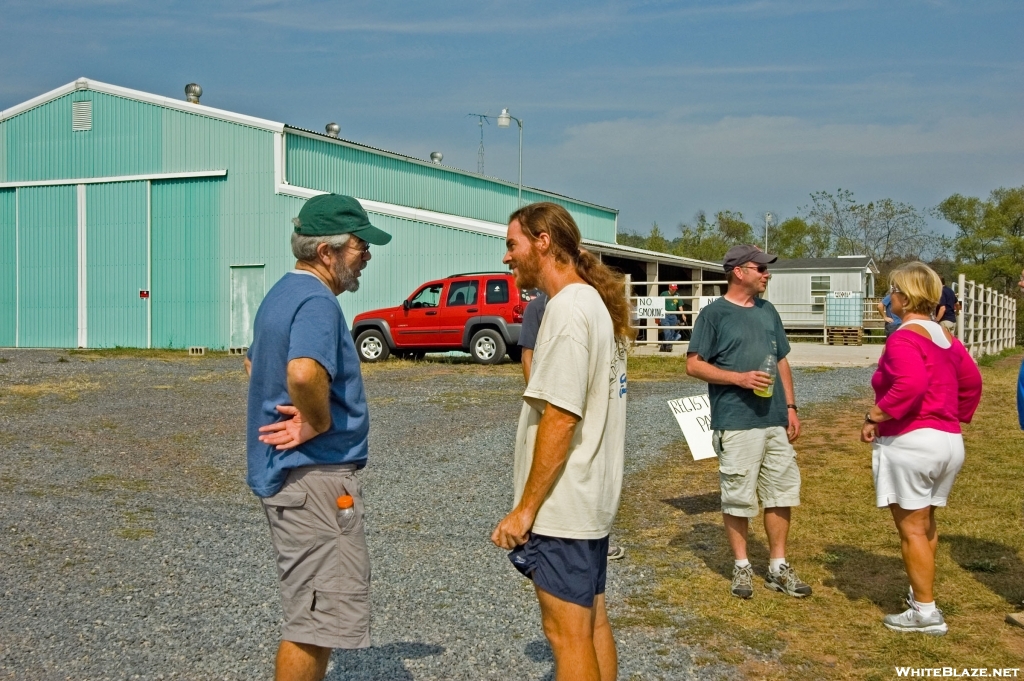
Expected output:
(732, 339)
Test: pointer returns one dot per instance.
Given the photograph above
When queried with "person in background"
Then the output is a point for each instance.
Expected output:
(1017, 618)
(528, 331)
(945, 311)
(925, 386)
(753, 433)
(527, 340)
(671, 318)
(892, 320)
(307, 434)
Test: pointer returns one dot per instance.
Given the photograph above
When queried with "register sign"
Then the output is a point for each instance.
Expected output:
(694, 417)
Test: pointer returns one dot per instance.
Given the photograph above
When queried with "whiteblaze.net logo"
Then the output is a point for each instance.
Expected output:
(958, 672)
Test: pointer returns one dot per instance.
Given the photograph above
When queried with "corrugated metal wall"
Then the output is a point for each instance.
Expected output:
(8, 273)
(418, 252)
(201, 228)
(187, 305)
(117, 250)
(328, 166)
(48, 265)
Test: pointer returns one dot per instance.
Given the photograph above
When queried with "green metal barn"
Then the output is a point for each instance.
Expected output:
(136, 220)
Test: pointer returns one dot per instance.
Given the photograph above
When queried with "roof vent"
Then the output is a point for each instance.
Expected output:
(333, 129)
(193, 92)
(81, 116)
(82, 84)
(435, 157)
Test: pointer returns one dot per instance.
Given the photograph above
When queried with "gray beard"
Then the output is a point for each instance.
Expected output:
(346, 278)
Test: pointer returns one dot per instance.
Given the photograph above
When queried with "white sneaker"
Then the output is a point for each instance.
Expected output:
(912, 620)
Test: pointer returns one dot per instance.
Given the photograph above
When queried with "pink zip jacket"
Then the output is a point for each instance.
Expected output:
(921, 385)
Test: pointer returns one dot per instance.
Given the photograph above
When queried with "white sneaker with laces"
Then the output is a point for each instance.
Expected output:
(911, 620)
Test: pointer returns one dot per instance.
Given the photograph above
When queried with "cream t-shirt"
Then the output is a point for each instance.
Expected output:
(578, 367)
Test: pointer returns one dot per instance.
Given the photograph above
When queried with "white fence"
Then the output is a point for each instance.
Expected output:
(987, 322)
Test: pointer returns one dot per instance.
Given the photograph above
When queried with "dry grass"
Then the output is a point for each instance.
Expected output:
(69, 389)
(847, 550)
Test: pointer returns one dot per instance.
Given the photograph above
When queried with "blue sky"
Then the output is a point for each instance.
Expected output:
(658, 109)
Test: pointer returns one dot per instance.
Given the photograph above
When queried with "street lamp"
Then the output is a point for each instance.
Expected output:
(504, 120)
(767, 219)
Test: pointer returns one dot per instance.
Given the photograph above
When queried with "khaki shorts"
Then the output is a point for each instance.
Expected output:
(756, 463)
(324, 574)
(949, 326)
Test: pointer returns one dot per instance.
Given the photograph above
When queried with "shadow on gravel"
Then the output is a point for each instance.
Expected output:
(861, 574)
(697, 504)
(708, 542)
(540, 651)
(379, 663)
(995, 565)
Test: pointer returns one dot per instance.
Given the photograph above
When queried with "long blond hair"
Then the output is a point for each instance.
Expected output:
(555, 221)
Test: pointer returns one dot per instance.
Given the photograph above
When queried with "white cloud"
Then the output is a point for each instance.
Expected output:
(665, 169)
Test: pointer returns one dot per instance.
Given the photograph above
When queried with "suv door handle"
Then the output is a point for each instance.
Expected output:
(473, 309)
(431, 314)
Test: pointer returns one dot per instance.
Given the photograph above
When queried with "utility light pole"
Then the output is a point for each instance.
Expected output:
(767, 219)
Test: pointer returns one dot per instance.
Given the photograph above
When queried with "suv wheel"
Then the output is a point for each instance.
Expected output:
(372, 347)
(487, 347)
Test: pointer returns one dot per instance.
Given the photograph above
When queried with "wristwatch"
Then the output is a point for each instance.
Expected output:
(868, 419)
(793, 407)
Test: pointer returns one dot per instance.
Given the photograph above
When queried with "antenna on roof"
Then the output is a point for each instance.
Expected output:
(480, 152)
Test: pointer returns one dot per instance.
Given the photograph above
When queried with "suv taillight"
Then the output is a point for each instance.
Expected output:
(517, 314)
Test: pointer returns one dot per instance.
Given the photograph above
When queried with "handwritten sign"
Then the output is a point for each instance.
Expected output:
(650, 307)
(694, 417)
(704, 301)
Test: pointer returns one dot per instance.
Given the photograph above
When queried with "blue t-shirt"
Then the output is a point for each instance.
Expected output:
(887, 303)
(300, 317)
(531, 321)
(948, 298)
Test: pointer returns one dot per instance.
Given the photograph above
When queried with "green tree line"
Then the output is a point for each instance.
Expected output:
(987, 247)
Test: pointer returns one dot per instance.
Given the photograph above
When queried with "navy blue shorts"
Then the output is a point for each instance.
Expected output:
(572, 570)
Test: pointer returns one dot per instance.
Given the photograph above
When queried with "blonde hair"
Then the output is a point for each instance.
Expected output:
(550, 218)
(919, 284)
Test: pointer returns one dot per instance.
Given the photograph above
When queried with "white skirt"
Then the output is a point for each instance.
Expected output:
(916, 469)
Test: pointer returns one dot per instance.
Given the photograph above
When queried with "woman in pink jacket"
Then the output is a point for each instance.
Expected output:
(925, 386)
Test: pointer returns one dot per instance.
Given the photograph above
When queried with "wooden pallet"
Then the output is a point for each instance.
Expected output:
(845, 335)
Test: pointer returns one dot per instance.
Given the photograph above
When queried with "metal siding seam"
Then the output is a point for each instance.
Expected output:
(17, 271)
(83, 298)
(149, 263)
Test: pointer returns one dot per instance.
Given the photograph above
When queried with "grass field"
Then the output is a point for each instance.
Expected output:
(847, 549)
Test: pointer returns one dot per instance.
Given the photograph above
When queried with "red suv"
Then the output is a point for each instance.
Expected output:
(479, 313)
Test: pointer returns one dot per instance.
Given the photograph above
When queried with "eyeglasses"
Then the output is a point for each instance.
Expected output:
(761, 269)
(361, 246)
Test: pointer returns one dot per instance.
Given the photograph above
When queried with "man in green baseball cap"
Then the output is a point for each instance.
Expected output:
(307, 434)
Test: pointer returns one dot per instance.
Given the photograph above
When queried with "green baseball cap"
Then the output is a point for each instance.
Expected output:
(337, 214)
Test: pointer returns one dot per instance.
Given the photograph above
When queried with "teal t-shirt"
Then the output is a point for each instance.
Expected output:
(737, 338)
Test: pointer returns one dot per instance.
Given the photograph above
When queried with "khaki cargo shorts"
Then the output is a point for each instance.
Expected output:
(324, 573)
(753, 464)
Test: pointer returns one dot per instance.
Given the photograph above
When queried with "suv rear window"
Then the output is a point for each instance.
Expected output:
(462, 293)
(497, 292)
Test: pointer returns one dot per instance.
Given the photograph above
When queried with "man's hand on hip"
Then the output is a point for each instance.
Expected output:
(289, 433)
(513, 530)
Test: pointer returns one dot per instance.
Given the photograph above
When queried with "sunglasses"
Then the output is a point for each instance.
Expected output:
(761, 269)
(893, 289)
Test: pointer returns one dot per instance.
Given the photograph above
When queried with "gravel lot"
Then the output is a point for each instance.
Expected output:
(133, 549)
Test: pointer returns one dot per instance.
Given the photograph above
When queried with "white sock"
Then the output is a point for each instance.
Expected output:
(925, 608)
(743, 563)
(775, 564)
